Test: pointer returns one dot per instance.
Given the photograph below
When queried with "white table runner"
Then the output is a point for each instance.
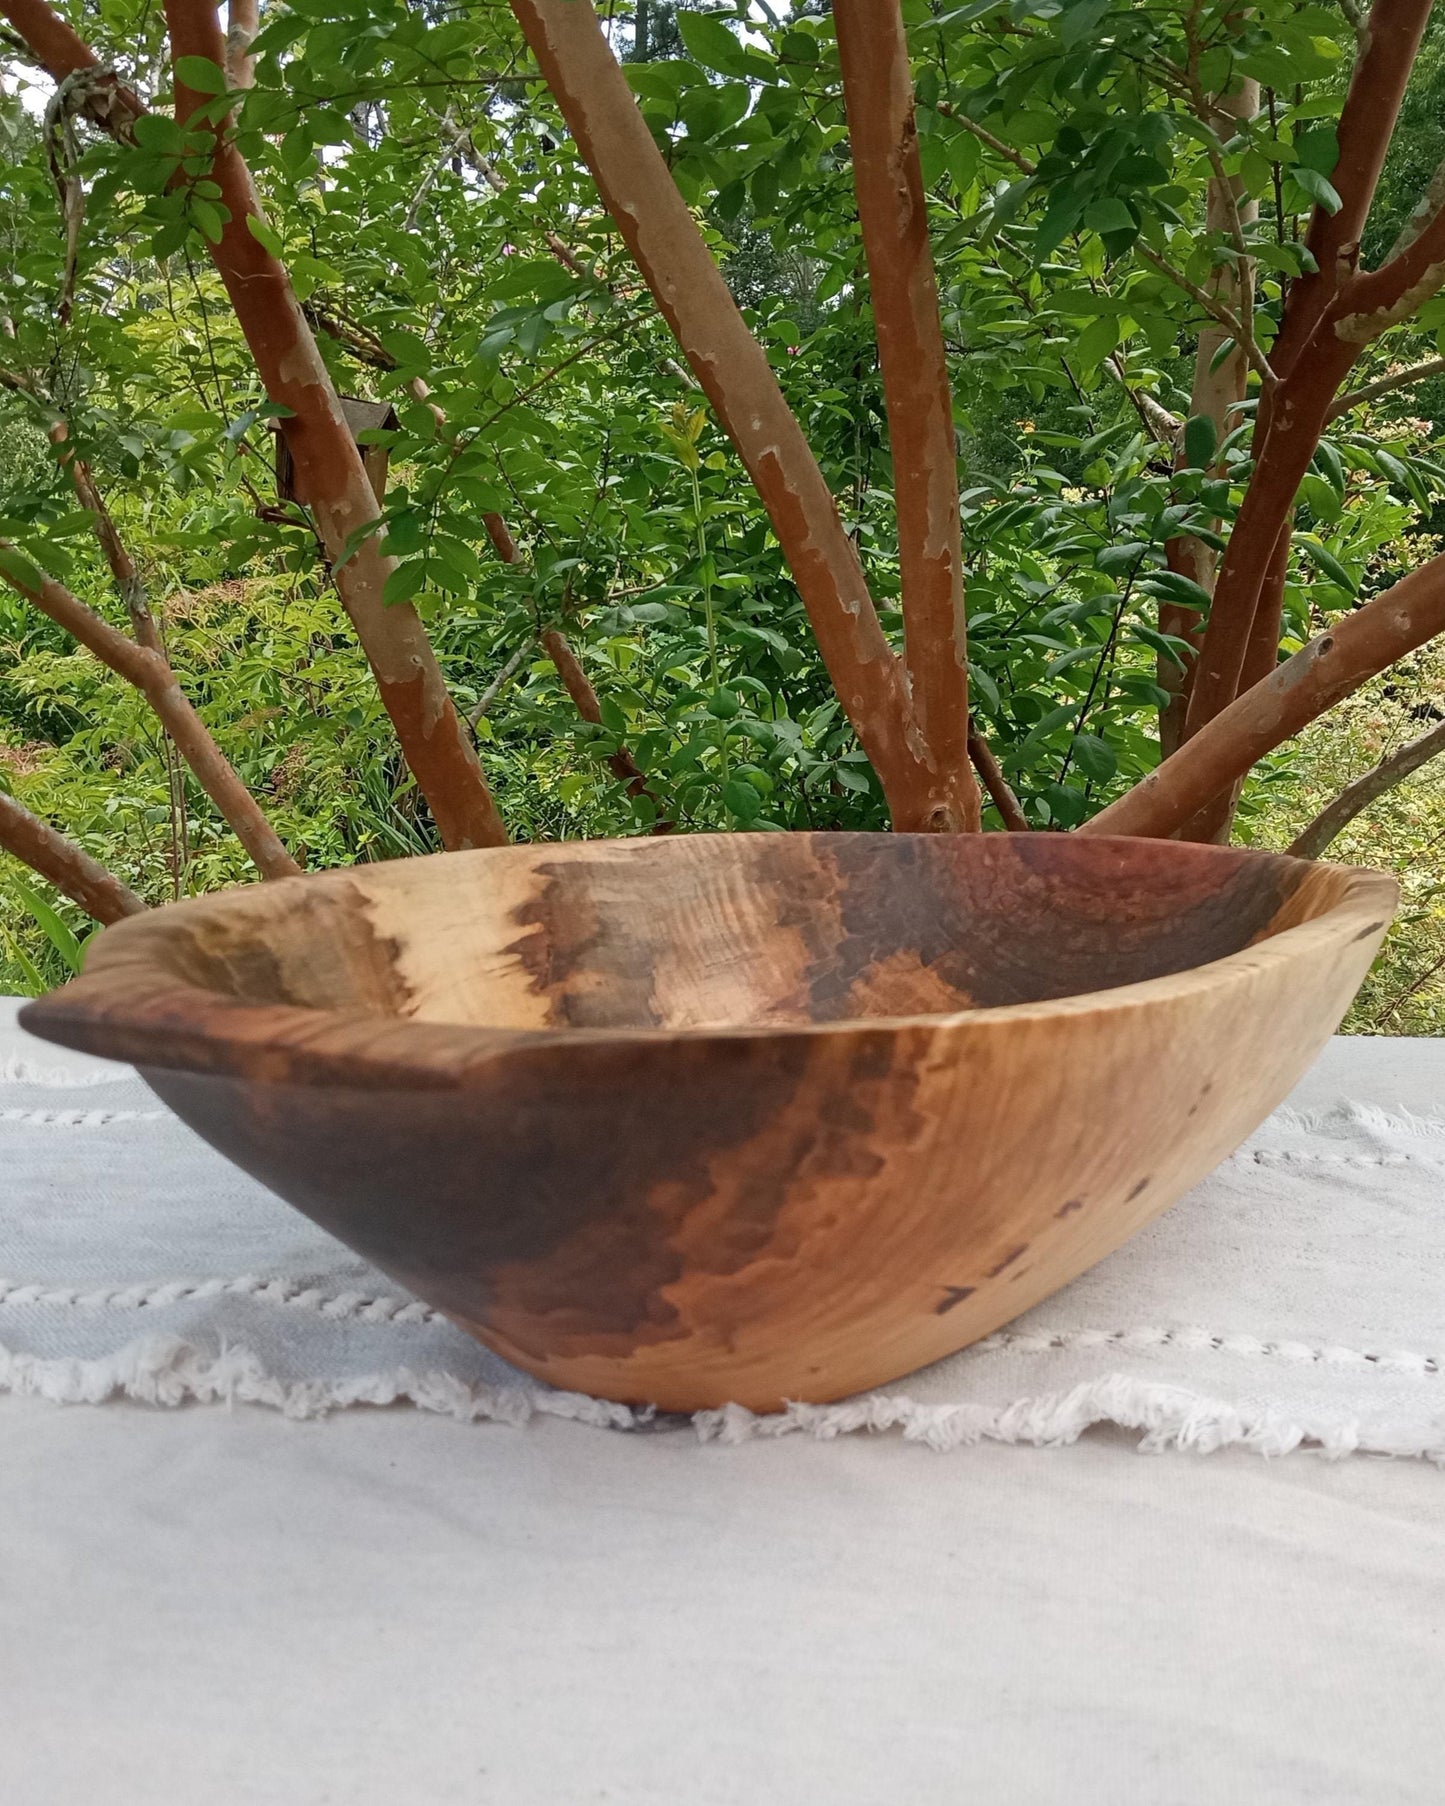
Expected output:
(1295, 1299)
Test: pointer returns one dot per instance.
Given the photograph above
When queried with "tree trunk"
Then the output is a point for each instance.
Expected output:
(878, 92)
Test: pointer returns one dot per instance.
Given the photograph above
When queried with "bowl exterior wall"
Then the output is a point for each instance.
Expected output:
(757, 1217)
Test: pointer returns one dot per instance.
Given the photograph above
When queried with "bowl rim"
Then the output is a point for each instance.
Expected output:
(116, 1008)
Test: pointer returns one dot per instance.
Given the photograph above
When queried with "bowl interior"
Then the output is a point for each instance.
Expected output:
(706, 931)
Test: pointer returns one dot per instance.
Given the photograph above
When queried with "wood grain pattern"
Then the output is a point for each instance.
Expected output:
(744, 1117)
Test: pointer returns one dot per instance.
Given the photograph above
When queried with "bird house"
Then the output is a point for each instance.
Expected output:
(361, 416)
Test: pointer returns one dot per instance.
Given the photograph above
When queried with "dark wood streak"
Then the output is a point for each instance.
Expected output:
(1028, 918)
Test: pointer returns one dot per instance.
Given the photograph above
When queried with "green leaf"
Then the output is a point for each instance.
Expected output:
(200, 74)
(35, 983)
(1174, 586)
(170, 238)
(16, 565)
(1201, 440)
(210, 217)
(265, 235)
(404, 582)
(1319, 188)
(1095, 758)
(1318, 148)
(710, 43)
(55, 930)
(1109, 215)
(1095, 343)
(743, 800)
(1112, 559)
(1168, 645)
(404, 533)
(155, 132)
(1325, 561)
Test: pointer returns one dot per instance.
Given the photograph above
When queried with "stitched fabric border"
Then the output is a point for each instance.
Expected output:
(367, 1308)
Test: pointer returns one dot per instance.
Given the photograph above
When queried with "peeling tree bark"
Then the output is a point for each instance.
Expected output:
(45, 850)
(733, 370)
(878, 94)
(155, 680)
(105, 100)
(1355, 649)
(242, 19)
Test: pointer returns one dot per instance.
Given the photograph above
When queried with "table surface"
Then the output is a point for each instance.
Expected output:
(385, 1606)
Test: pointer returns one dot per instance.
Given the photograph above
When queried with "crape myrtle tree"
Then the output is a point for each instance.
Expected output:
(892, 413)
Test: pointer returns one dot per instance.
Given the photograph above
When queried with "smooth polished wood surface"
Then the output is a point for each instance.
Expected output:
(749, 1117)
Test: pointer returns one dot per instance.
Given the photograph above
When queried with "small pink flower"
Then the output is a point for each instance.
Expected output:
(509, 250)
(793, 350)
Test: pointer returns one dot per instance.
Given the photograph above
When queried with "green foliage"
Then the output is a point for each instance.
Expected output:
(418, 182)
(1402, 832)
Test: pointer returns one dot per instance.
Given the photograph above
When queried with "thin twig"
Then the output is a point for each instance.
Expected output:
(499, 683)
(1386, 385)
(1366, 789)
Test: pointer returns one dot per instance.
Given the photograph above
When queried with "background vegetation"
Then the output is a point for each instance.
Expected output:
(440, 227)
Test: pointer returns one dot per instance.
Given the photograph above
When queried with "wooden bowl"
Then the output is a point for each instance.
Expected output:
(752, 1117)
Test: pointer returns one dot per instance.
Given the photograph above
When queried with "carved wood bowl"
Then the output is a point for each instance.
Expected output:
(751, 1117)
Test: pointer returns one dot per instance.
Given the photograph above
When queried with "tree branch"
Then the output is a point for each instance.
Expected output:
(878, 94)
(1237, 328)
(1431, 200)
(122, 566)
(735, 374)
(574, 679)
(153, 677)
(1386, 385)
(1368, 788)
(579, 687)
(500, 681)
(103, 99)
(1388, 48)
(995, 783)
(1360, 310)
(1024, 165)
(1355, 649)
(45, 850)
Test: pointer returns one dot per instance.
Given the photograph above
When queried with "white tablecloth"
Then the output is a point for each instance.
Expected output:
(392, 1606)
